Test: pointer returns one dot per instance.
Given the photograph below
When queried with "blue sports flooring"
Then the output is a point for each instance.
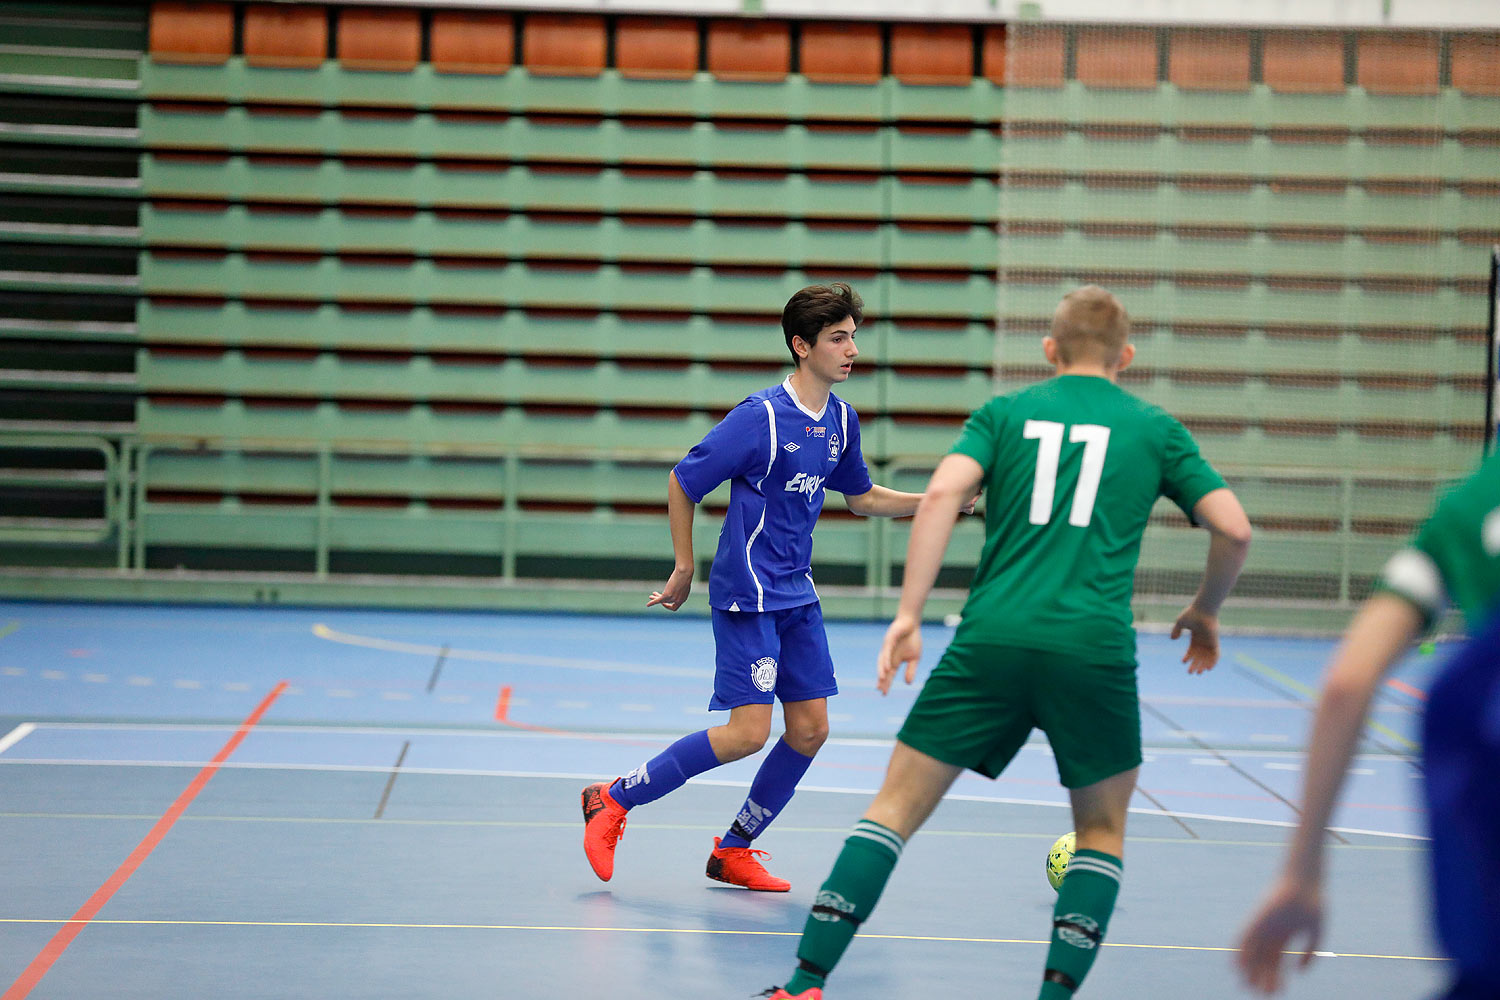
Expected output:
(402, 819)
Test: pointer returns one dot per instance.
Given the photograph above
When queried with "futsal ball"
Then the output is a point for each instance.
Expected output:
(1058, 858)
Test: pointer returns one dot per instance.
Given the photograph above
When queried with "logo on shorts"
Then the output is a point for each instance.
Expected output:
(1079, 930)
(833, 447)
(763, 673)
(829, 905)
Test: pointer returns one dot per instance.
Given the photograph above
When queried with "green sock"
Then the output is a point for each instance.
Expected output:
(1084, 903)
(845, 901)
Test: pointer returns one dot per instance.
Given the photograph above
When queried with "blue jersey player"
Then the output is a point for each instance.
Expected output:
(780, 450)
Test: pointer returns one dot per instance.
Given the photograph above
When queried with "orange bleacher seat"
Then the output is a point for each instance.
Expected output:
(1475, 64)
(464, 42)
(749, 50)
(388, 39)
(1398, 62)
(656, 47)
(564, 44)
(1303, 62)
(192, 32)
(933, 54)
(1202, 59)
(841, 52)
(286, 35)
(993, 53)
(1117, 58)
(1036, 57)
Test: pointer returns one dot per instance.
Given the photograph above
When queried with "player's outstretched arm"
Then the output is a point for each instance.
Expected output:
(1382, 629)
(1229, 541)
(680, 516)
(953, 484)
(881, 501)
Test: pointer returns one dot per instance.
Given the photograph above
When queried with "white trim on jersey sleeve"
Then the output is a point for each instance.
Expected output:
(760, 592)
(844, 422)
(1412, 574)
(771, 422)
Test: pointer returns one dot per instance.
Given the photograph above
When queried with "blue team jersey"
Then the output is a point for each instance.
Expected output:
(779, 457)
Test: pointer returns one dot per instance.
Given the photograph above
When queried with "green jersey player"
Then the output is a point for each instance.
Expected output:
(1071, 467)
(1454, 558)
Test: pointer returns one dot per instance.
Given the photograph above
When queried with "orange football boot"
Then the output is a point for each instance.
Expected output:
(603, 826)
(739, 866)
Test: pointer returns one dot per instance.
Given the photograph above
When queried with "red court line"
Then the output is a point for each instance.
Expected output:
(502, 716)
(1406, 688)
(89, 910)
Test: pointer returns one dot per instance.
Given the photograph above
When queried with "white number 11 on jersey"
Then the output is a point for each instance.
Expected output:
(1049, 436)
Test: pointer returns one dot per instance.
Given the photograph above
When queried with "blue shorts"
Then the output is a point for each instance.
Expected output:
(764, 655)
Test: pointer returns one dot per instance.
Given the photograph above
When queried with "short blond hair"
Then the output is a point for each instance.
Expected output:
(1090, 325)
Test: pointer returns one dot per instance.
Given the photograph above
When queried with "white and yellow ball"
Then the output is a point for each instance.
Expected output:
(1058, 858)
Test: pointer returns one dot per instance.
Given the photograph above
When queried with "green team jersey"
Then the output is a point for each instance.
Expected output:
(1072, 468)
(1455, 555)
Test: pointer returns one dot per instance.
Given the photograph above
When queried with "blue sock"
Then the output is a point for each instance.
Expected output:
(665, 772)
(769, 793)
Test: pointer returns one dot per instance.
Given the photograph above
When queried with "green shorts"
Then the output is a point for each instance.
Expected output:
(982, 701)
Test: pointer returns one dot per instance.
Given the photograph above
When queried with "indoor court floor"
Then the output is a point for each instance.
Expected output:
(255, 802)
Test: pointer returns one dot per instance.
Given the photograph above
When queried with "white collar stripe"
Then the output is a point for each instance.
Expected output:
(787, 385)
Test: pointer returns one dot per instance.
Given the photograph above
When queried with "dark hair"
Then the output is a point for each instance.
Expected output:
(816, 307)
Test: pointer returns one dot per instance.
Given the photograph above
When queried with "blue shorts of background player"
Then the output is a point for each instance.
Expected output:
(1461, 750)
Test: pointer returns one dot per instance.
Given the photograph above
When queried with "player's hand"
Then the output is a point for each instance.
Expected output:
(903, 644)
(1203, 642)
(968, 508)
(1292, 910)
(672, 596)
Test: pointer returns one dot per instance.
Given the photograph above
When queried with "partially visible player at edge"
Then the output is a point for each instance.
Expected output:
(1454, 557)
(780, 448)
(1072, 467)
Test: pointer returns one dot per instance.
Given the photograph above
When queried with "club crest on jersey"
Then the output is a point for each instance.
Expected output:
(791, 446)
(763, 673)
(802, 482)
(816, 431)
(833, 447)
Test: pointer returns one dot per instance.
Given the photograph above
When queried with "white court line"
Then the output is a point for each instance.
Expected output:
(716, 783)
(16, 735)
(514, 659)
(551, 734)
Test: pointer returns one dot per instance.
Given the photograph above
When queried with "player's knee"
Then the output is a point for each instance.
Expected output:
(742, 741)
(807, 739)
